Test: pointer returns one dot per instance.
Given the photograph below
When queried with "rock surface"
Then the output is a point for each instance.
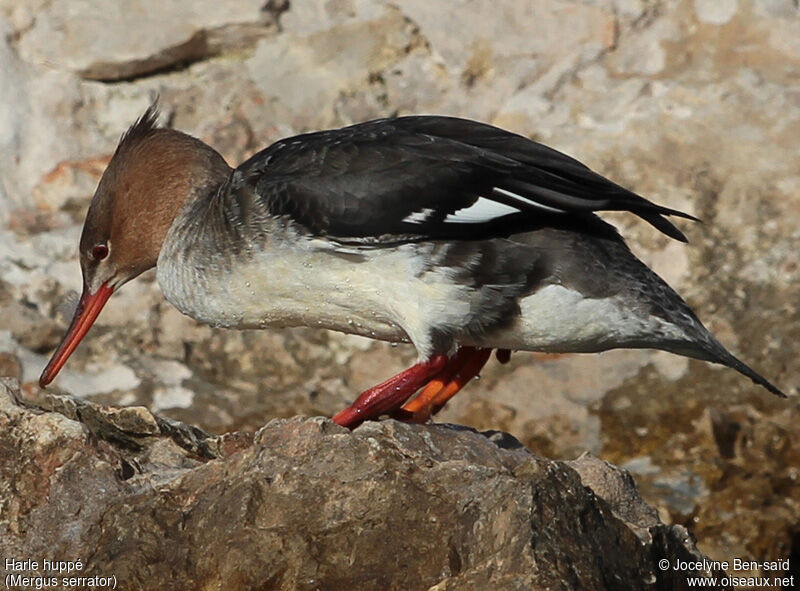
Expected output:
(85, 37)
(693, 103)
(306, 504)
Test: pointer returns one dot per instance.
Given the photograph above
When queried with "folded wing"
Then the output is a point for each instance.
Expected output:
(426, 177)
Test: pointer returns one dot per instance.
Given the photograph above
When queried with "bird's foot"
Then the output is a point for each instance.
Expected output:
(387, 397)
(443, 378)
(465, 365)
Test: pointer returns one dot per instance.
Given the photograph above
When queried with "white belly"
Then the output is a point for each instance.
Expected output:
(559, 319)
(387, 295)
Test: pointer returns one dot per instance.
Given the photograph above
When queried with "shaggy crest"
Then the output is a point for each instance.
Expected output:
(143, 127)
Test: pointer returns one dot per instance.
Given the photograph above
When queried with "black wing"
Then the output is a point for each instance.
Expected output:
(432, 178)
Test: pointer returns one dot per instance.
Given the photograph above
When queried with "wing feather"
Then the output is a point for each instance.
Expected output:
(433, 178)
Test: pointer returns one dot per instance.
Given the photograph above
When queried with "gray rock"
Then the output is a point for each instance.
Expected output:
(478, 36)
(87, 37)
(33, 101)
(306, 504)
(306, 72)
(715, 12)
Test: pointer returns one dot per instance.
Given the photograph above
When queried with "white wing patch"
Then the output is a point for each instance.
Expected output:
(526, 200)
(419, 217)
(483, 210)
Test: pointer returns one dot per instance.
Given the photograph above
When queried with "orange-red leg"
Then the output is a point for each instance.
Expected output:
(464, 366)
(438, 383)
(470, 370)
(389, 395)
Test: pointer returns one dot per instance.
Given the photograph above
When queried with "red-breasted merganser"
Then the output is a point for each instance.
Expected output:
(453, 235)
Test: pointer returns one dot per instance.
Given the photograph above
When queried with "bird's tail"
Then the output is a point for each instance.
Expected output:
(710, 349)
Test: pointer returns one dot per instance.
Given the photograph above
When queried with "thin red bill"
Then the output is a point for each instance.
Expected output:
(88, 309)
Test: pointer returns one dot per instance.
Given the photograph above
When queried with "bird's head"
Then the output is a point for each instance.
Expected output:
(151, 175)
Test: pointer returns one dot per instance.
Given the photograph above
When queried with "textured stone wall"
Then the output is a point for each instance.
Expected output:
(694, 104)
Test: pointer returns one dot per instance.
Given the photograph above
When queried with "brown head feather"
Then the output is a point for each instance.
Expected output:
(152, 174)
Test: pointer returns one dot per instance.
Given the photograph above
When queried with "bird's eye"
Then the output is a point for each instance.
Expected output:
(99, 252)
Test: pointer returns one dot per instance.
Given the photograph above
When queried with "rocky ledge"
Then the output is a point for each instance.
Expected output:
(306, 504)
